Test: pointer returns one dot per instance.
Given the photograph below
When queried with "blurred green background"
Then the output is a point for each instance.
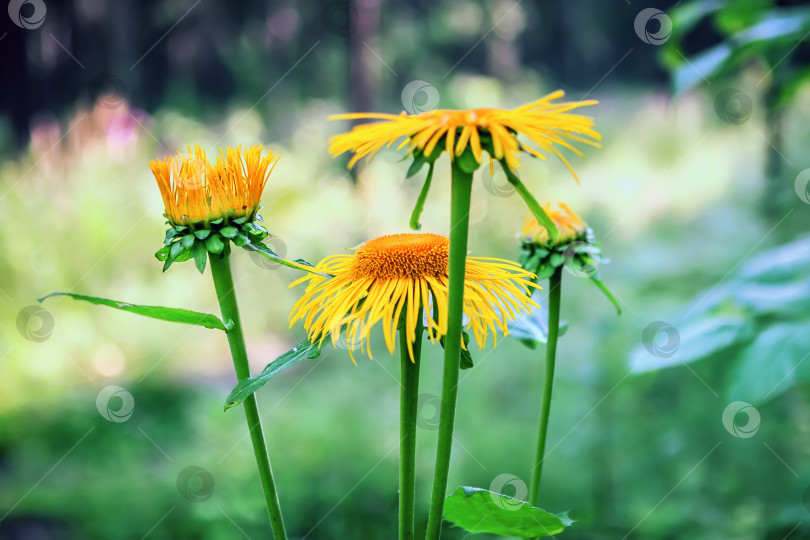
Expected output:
(699, 197)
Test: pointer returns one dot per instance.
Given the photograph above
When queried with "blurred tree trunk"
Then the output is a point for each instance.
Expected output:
(364, 66)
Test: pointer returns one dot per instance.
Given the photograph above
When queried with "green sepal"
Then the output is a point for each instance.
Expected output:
(217, 221)
(162, 254)
(202, 234)
(184, 316)
(466, 161)
(239, 221)
(556, 259)
(214, 244)
(418, 160)
(188, 241)
(229, 232)
(200, 256)
(175, 251)
(170, 233)
(241, 239)
(303, 351)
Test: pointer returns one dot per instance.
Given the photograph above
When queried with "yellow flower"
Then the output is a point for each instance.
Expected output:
(494, 130)
(398, 275)
(195, 191)
(569, 225)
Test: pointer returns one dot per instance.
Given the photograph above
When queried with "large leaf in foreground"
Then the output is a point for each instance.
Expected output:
(185, 316)
(480, 511)
(303, 351)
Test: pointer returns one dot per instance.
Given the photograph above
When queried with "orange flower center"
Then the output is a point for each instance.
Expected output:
(402, 255)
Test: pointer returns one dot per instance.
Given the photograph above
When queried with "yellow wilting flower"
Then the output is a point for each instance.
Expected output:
(398, 275)
(493, 130)
(569, 225)
(194, 190)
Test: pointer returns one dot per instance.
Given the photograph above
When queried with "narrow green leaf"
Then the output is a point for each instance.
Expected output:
(303, 351)
(418, 161)
(480, 511)
(466, 361)
(607, 292)
(184, 316)
(420, 201)
(229, 232)
(200, 256)
(534, 207)
(273, 256)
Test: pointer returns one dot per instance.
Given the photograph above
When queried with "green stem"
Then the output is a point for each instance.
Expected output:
(555, 287)
(223, 283)
(459, 221)
(408, 400)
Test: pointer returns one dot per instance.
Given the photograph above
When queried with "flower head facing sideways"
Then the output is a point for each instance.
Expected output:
(391, 279)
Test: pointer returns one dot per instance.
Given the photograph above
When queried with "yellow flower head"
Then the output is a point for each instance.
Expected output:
(195, 190)
(397, 276)
(493, 130)
(569, 225)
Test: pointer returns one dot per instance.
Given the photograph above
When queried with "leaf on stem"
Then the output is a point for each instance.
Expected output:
(480, 511)
(178, 315)
(303, 351)
(534, 207)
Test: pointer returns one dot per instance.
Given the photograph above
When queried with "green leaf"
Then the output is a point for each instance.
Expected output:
(416, 165)
(241, 239)
(202, 234)
(700, 67)
(534, 207)
(480, 511)
(229, 232)
(772, 363)
(607, 292)
(673, 346)
(184, 316)
(240, 221)
(420, 201)
(273, 256)
(303, 351)
(200, 256)
(214, 244)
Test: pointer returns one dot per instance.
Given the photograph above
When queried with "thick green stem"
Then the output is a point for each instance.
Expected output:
(555, 286)
(223, 283)
(408, 400)
(459, 222)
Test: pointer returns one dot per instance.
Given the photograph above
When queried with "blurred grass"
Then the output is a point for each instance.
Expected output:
(671, 196)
